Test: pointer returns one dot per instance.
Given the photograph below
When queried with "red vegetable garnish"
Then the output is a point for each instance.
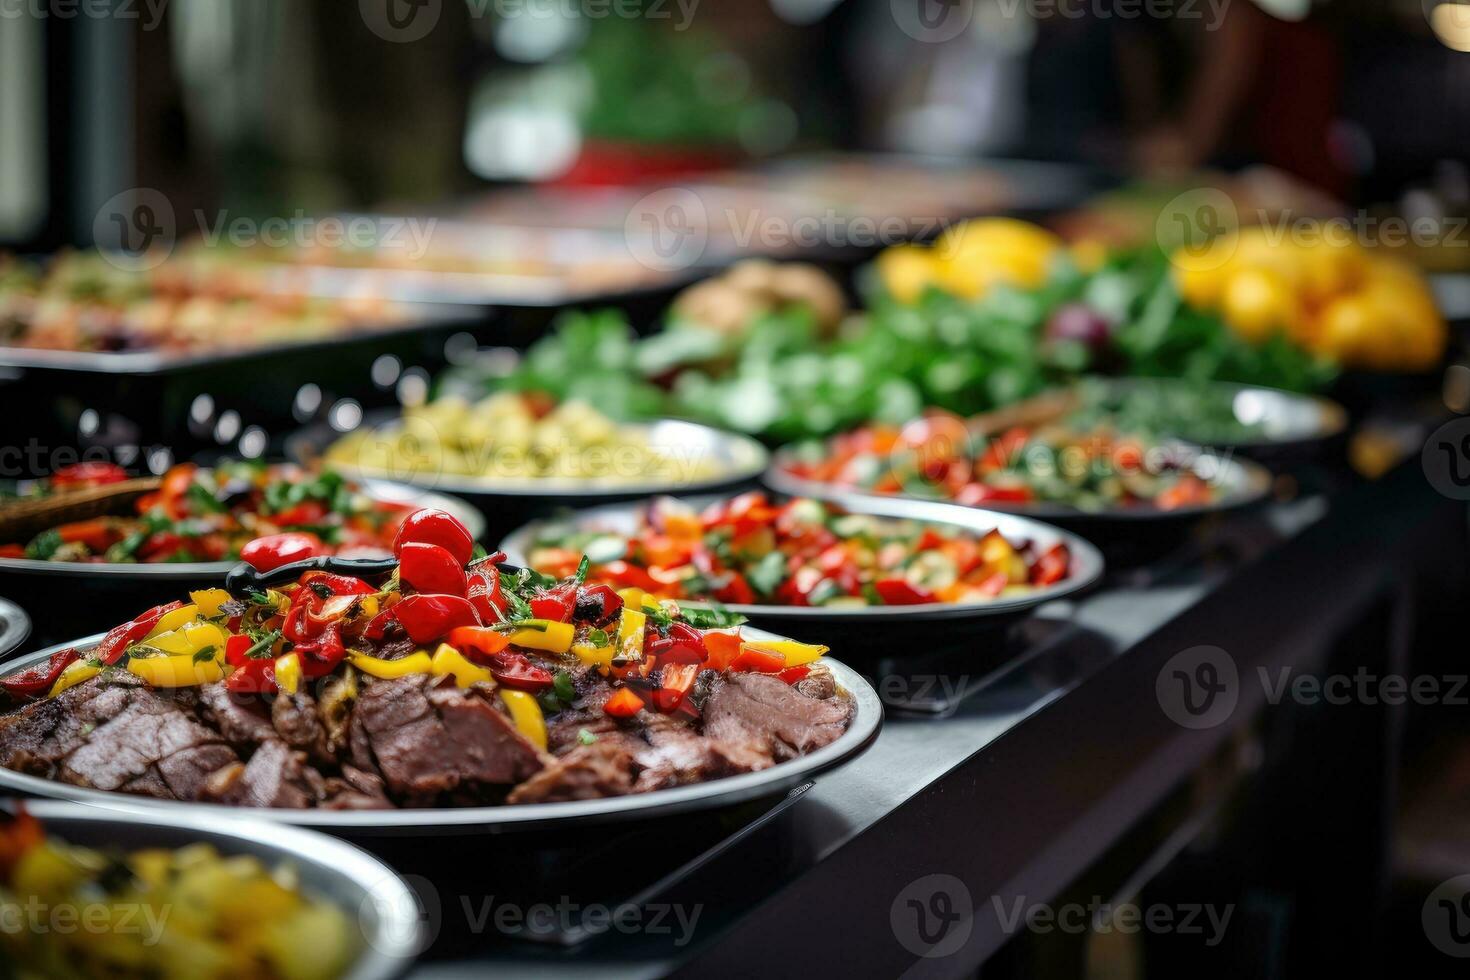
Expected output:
(683, 645)
(430, 526)
(431, 568)
(275, 550)
(484, 589)
(759, 661)
(87, 475)
(516, 670)
(480, 643)
(1051, 566)
(676, 681)
(623, 704)
(253, 676)
(119, 638)
(722, 649)
(306, 512)
(555, 604)
(900, 592)
(37, 681)
(97, 534)
(427, 618)
(597, 605)
(793, 674)
(338, 584)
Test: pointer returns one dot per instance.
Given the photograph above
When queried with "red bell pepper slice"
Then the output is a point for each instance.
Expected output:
(676, 681)
(430, 617)
(338, 584)
(430, 526)
(1051, 566)
(683, 645)
(722, 649)
(98, 535)
(253, 676)
(479, 643)
(793, 674)
(37, 681)
(484, 591)
(119, 638)
(623, 704)
(597, 604)
(306, 512)
(431, 568)
(759, 662)
(516, 670)
(275, 550)
(901, 592)
(555, 604)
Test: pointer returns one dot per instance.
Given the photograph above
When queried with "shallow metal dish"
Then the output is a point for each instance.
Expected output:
(371, 894)
(1287, 420)
(1239, 482)
(202, 571)
(867, 717)
(15, 626)
(1087, 562)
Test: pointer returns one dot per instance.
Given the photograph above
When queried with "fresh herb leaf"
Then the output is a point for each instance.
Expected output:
(562, 684)
(713, 618)
(585, 737)
(44, 545)
(598, 638)
(261, 648)
(582, 567)
(204, 653)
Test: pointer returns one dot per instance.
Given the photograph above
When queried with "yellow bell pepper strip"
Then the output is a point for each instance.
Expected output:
(526, 714)
(792, 653)
(597, 656)
(209, 601)
(288, 673)
(630, 633)
(179, 670)
(543, 634)
(414, 663)
(73, 675)
(449, 662)
(171, 621)
(632, 597)
(189, 639)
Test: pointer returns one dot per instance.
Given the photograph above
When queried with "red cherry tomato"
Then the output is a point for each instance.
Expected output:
(429, 526)
(275, 550)
(427, 618)
(430, 568)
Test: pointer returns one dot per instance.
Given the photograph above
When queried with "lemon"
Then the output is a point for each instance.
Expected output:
(906, 271)
(975, 255)
(1257, 302)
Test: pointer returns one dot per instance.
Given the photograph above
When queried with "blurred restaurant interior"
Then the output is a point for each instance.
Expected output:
(529, 395)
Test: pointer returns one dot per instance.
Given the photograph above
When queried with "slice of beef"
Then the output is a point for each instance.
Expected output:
(764, 710)
(299, 725)
(676, 755)
(356, 790)
(240, 718)
(276, 776)
(428, 738)
(818, 683)
(605, 768)
(114, 733)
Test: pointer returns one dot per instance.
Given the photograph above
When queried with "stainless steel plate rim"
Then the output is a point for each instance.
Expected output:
(1087, 561)
(1245, 481)
(398, 931)
(867, 718)
(198, 570)
(751, 460)
(17, 626)
(1330, 418)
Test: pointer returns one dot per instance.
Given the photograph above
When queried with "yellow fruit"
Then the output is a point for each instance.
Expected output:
(1330, 268)
(975, 255)
(1346, 329)
(906, 271)
(1258, 302)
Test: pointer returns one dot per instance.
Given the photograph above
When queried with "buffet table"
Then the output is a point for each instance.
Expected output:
(1037, 777)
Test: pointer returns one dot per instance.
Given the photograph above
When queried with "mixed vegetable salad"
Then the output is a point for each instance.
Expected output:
(750, 549)
(190, 912)
(936, 458)
(235, 509)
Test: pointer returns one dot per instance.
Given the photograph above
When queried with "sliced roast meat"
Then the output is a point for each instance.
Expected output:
(299, 725)
(240, 718)
(114, 733)
(818, 683)
(276, 776)
(589, 772)
(764, 710)
(677, 756)
(429, 738)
